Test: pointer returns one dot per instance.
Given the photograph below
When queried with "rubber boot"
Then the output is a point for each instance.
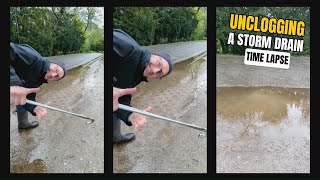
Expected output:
(117, 136)
(23, 122)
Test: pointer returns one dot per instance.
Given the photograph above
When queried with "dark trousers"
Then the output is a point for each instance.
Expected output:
(21, 108)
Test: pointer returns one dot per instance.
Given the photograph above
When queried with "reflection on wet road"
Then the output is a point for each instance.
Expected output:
(164, 147)
(64, 143)
(263, 129)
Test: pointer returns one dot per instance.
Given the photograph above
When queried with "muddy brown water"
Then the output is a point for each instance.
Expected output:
(63, 143)
(164, 147)
(263, 129)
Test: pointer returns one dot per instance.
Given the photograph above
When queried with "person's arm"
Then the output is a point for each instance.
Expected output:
(30, 107)
(18, 94)
(14, 78)
(122, 114)
(38, 111)
(126, 48)
(117, 93)
(125, 99)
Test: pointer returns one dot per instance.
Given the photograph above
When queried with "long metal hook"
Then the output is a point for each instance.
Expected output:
(90, 122)
(131, 109)
(202, 135)
(60, 110)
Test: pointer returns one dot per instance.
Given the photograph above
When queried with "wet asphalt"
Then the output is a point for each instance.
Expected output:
(164, 147)
(74, 60)
(181, 51)
(63, 143)
(231, 72)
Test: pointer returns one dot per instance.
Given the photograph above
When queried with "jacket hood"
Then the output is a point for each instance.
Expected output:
(44, 69)
(144, 60)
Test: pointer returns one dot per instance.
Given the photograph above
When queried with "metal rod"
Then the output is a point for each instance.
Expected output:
(131, 109)
(60, 110)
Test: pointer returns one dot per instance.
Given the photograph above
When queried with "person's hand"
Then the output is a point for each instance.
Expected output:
(18, 94)
(41, 112)
(120, 92)
(139, 121)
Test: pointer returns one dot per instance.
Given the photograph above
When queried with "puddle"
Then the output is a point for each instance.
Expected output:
(263, 130)
(36, 166)
(266, 112)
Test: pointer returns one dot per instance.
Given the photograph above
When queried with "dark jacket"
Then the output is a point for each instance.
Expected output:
(27, 69)
(128, 63)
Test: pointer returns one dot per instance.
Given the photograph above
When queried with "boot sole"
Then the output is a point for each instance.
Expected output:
(29, 127)
(121, 142)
